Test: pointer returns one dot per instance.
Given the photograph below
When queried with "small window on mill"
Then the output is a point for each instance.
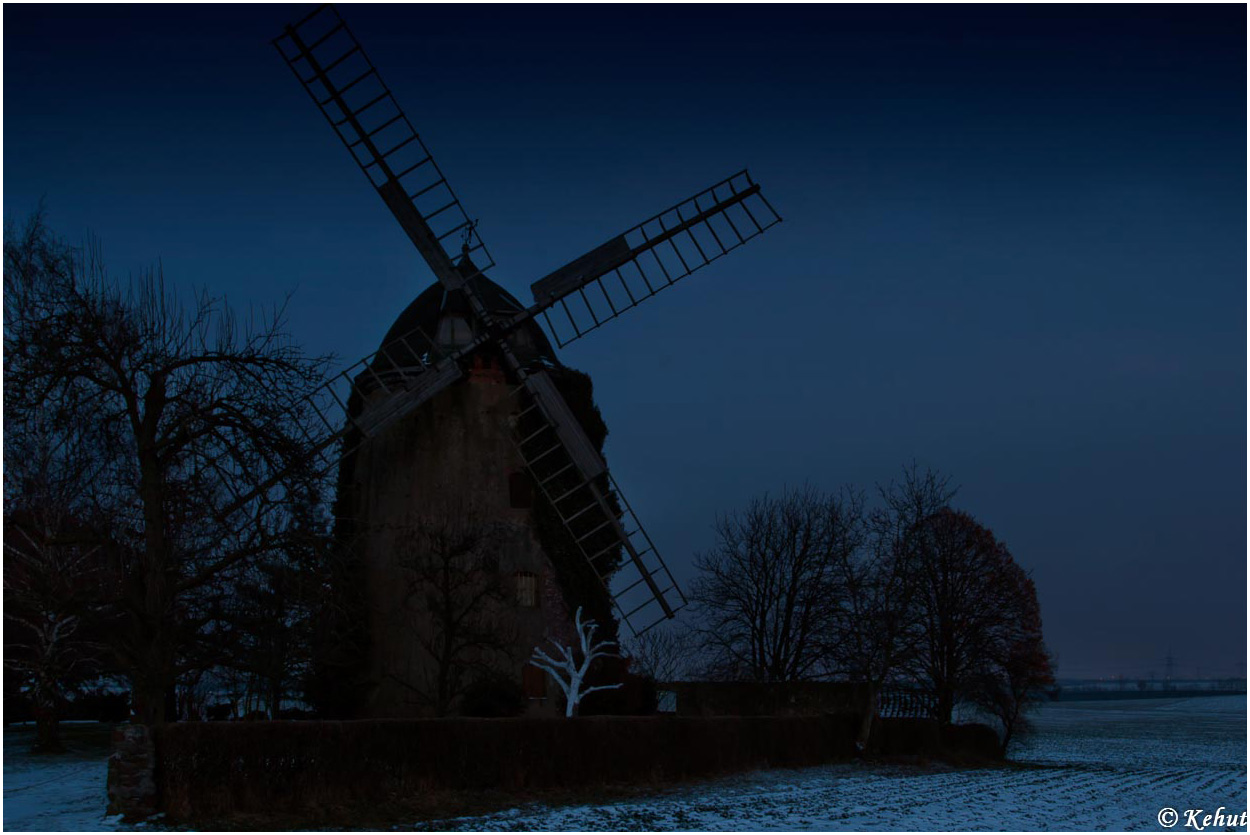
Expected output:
(520, 493)
(534, 682)
(527, 589)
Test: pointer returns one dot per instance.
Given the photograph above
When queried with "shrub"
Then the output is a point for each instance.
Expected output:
(750, 698)
(635, 697)
(493, 697)
(906, 736)
(972, 740)
(218, 712)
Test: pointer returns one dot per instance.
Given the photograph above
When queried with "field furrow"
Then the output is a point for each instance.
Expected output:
(1091, 766)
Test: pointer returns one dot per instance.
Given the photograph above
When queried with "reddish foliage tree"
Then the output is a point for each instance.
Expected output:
(1017, 668)
(978, 617)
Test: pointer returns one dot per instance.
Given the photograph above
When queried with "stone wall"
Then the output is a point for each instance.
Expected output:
(132, 773)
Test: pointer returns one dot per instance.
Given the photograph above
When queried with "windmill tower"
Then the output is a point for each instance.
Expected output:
(452, 468)
(466, 403)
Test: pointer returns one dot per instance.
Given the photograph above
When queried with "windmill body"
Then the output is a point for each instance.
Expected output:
(466, 393)
(454, 455)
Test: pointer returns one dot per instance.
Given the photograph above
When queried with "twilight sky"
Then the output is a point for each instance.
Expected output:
(1014, 248)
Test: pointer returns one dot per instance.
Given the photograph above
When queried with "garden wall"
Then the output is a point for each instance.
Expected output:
(208, 769)
(323, 769)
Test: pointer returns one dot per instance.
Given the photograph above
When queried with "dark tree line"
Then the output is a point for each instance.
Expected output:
(167, 517)
(161, 502)
(900, 591)
(767, 584)
(166, 523)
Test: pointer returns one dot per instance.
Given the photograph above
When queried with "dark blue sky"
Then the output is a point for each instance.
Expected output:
(1014, 248)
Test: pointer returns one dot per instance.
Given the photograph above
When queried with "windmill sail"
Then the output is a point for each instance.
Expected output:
(399, 376)
(655, 254)
(333, 68)
(565, 467)
(560, 458)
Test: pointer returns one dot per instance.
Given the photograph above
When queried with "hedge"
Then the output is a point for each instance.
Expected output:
(742, 698)
(207, 769)
(903, 736)
(972, 740)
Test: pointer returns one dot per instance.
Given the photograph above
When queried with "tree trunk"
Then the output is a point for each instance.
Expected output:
(154, 677)
(149, 689)
(47, 730)
(945, 705)
(1008, 718)
(866, 720)
(275, 697)
(573, 695)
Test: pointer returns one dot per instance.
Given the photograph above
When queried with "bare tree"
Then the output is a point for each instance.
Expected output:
(57, 567)
(570, 673)
(53, 570)
(337, 679)
(267, 631)
(876, 626)
(663, 654)
(456, 590)
(766, 593)
(207, 435)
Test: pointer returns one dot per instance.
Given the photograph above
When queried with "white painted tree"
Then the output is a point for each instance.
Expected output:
(567, 671)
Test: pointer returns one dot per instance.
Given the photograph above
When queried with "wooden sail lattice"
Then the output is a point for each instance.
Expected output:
(652, 256)
(389, 385)
(598, 519)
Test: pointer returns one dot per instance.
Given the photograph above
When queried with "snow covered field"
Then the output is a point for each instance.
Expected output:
(1093, 765)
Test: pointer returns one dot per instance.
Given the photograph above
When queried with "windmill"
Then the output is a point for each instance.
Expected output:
(414, 366)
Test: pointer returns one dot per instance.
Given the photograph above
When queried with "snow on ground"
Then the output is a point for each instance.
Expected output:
(56, 792)
(1093, 765)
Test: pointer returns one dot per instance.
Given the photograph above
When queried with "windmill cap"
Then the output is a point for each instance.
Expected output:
(418, 324)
